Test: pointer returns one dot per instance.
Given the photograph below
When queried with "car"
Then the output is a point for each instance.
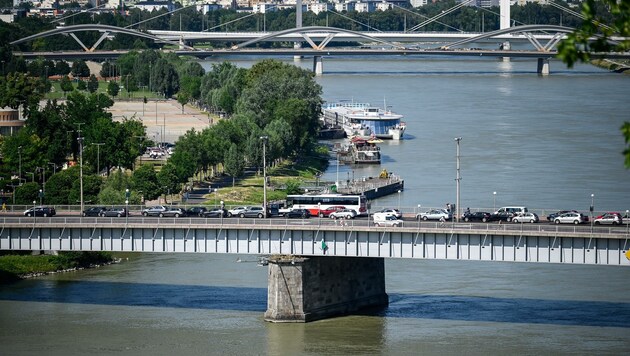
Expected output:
(434, 214)
(477, 216)
(394, 212)
(609, 218)
(343, 214)
(388, 220)
(298, 213)
(253, 212)
(215, 213)
(173, 212)
(196, 211)
(571, 218)
(323, 213)
(40, 211)
(526, 217)
(94, 211)
(236, 211)
(552, 216)
(154, 210)
(115, 212)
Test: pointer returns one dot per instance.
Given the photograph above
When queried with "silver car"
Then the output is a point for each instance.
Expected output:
(434, 214)
(343, 214)
(526, 217)
(570, 218)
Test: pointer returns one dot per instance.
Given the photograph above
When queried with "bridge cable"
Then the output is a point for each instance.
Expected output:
(442, 14)
(73, 13)
(577, 14)
(238, 19)
(426, 17)
(353, 20)
(158, 16)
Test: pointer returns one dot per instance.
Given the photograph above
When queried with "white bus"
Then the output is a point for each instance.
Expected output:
(317, 204)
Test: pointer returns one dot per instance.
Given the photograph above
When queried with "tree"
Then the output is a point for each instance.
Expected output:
(27, 193)
(144, 179)
(59, 185)
(106, 70)
(183, 98)
(81, 85)
(62, 68)
(167, 177)
(234, 163)
(92, 85)
(66, 85)
(577, 46)
(113, 88)
(80, 69)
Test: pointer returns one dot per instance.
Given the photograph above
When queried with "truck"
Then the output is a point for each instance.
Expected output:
(386, 219)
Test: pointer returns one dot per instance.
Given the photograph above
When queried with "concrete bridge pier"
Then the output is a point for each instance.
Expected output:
(543, 66)
(303, 289)
(318, 65)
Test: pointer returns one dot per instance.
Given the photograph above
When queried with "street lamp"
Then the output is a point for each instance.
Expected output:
(399, 191)
(54, 167)
(222, 211)
(216, 193)
(592, 209)
(98, 157)
(20, 156)
(127, 195)
(494, 201)
(80, 140)
(264, 140)
(41, 196)
(457, 179)
(627, 217)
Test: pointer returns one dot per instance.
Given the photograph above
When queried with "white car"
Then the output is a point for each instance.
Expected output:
(343, 214)
(394, 212)
(388, 220)
(609, 218)
(236, 211)
(526, 217)
(435, 214)
(570, 218)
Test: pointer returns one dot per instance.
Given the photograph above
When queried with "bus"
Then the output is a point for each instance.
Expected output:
(321, 202)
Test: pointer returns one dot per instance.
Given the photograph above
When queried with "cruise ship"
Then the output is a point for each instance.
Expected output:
(364, 120)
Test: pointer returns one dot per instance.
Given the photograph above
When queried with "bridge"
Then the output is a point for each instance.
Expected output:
(320, 267)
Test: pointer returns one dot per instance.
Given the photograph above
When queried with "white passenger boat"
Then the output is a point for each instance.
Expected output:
(364, 120)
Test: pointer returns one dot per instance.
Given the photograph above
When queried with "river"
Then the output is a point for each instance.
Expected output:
(543, 142)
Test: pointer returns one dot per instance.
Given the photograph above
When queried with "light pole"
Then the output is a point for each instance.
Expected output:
(41, 196)
(457, 179)
(399, 191)
(80, 140)
(20, 164)
(264, 140)
(222, 211)
(319, 213)
(627, 217)
(494, 201)
(98, 157)
(127, 194)
(592, 209)
(337, 179)
(216, 193)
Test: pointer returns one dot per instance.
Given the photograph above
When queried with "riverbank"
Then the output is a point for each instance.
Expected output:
(15, 267)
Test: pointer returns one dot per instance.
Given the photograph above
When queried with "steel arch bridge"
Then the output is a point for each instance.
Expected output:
(106, 29)
(530, 32)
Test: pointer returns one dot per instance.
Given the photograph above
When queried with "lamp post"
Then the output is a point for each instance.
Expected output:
(319, 213)
(457, 179)
(80, 140)
(264, 140)
(54, 167)
(222, 211)
(592, 209)
(399, 191)
(418, 215)
(216, 193)
(14, 187)
(337, 179)
(127, 195)
(20, 164)
(494, 201)
(41, 196)
(98, 157)
(627, 217)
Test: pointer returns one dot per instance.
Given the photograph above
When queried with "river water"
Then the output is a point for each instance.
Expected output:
(543, 142)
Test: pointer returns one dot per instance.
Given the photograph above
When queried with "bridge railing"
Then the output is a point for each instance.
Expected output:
(622, 231)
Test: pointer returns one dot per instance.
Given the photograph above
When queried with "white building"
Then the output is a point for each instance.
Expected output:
(155, 5)
(318, 7)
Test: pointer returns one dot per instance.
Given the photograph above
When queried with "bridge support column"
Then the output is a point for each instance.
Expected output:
(303, 289)
(543, 66)
(318, 65)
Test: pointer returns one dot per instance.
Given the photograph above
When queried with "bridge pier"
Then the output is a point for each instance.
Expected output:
(318, 65)
(303, 289)
(543, 66)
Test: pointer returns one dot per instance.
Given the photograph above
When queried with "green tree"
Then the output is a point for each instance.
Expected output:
(234, 163)
(62, 68)
(80, 69)
(66, 85)
(59, 185)
(167, 177)
(113, 88)
(92, 85)
(27, 193)
(81, 85)
(144, 179)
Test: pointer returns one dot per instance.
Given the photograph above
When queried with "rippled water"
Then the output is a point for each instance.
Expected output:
(545, 142)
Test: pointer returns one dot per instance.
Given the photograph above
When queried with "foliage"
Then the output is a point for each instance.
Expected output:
(293, 186)
(578, 45)
(27, 264)
(18, 90)
(625, 129)
(59, 185)
(167, 177)
(144, 179)
(66, 84)
(92, 85)
(234, 162)
(81, 85)
(27, 193)
(80, 69)
(113, 88)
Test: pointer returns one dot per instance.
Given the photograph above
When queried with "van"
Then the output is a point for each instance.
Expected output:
(386, 219)
(508, 212)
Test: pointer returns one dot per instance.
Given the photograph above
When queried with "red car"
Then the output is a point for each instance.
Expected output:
(324, 213)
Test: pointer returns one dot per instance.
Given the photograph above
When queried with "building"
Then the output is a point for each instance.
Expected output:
(10, 121)
(155, 5)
